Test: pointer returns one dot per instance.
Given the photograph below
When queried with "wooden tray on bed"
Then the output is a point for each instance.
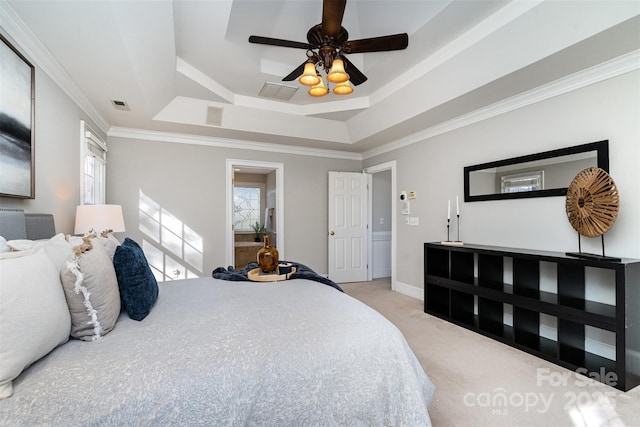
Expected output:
(258, 276)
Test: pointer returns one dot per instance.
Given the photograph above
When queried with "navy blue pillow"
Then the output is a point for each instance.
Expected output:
(138, 286)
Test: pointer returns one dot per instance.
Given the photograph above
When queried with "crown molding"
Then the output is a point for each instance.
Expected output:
(598, 73)
(179, 138)
(31, 46)
(15, 29)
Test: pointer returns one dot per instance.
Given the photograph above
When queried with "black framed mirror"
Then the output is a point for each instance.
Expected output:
(536, 175)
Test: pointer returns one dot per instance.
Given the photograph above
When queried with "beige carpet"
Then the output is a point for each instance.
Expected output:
(481, 382)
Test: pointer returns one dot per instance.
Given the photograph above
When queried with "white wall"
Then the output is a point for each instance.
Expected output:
(434, 168)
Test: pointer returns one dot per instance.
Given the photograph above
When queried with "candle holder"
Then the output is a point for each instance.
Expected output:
(458, 241)
(448, 241)
(444, 242)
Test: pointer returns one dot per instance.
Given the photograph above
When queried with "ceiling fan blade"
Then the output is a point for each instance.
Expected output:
(332, 13)
(355, 76)
(377, 44)
(279, 42)
(295, 73)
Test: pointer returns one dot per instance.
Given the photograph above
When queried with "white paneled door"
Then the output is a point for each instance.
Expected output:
(348, 226)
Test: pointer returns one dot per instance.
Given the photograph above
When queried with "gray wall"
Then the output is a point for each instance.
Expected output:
(381, 203)
(272, 199)
(57, 154)
(434, 168)
(189, 181)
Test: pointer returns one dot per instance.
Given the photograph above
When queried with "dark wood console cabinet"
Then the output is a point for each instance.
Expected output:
(473, 286)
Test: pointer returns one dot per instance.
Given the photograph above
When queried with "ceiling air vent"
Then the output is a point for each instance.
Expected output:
(277, 91)
(214, 116)
(120, 105)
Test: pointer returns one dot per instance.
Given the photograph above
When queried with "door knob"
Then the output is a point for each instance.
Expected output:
(331, 233)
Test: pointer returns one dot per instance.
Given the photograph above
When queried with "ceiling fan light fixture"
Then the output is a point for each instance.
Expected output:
(343, 88)
(337, 73)
(319, 90)
(327, 41)
(310, 75)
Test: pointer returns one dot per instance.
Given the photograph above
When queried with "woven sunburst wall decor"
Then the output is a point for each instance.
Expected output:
(592, 202)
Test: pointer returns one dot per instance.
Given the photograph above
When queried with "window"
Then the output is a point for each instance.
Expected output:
(93, 154)
(528, 181)
(246, 205)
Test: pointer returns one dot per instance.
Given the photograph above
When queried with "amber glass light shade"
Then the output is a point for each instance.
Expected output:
(343, 88)
(337, 73)
(319, 90)
(310, 76)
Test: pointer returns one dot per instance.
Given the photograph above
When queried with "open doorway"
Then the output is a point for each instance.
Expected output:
(382, 216)
(254, 194)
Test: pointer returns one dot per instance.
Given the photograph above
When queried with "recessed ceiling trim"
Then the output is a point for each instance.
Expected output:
(179, 138)
(192, 111)
(485, 28)
(352, 103)
(188, 70)
(607, 70)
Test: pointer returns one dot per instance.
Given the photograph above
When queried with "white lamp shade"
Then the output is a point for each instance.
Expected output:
(99, 218)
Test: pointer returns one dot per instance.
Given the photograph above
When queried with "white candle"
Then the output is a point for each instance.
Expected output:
(449, 209)
(457, 207)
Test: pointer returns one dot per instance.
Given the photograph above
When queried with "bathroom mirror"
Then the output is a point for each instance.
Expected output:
(536, 175)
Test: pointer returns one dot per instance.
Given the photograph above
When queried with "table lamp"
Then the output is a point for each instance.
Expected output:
(99, 218)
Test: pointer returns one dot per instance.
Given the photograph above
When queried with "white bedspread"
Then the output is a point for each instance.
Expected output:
(216, 353)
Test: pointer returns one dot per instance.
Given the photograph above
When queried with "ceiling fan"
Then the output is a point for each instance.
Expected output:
(327, 44)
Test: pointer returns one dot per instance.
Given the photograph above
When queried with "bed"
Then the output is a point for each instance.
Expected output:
(220, 353)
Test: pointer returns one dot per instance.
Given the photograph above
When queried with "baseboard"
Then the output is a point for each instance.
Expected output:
(409, 290)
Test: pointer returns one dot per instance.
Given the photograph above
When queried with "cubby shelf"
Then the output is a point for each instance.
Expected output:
(465, 285)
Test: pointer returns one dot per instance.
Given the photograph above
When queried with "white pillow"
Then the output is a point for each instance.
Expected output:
(24, 244)
(3, 245)
(57, 249)
(33, 313)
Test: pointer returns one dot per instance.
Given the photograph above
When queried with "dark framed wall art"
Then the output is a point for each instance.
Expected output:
(17, 103)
